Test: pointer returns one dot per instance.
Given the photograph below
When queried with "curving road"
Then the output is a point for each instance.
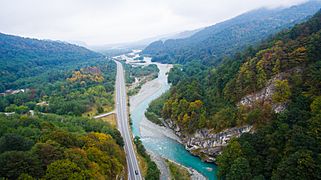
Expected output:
(123, 124)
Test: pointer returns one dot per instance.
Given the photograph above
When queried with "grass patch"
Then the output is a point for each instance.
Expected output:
(111, 119)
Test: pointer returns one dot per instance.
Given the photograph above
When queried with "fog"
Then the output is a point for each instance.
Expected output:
(98, 22)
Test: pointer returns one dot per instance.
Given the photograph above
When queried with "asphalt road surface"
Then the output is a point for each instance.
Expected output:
(123, 124)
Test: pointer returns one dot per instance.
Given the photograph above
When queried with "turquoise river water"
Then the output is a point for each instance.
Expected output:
(165, 146)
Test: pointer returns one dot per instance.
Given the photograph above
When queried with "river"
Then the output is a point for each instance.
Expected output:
(159, 140)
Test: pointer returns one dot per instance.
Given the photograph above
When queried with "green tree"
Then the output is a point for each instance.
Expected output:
(14, 163)
(11, 142)
(25, 176)
(282, 91)
(228, 156)
(316, 105)
(240, 170)
(47, 152)
(299, 165)
(63, 170)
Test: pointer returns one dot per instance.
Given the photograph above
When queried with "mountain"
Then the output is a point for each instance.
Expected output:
(22, 58)
(225, 38)
(141, 44)
(52, 91)
(180, 35)
(46, 75)
(258, 113)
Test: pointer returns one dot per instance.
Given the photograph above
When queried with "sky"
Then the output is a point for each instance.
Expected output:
(99, 22)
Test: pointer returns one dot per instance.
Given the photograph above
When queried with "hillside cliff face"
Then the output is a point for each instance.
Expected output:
(265, 95)
(204, 142)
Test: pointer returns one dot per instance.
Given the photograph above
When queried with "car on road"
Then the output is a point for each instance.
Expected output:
(136, 172)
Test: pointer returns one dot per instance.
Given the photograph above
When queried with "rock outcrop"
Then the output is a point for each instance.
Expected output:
(265, 94)
(204, 142)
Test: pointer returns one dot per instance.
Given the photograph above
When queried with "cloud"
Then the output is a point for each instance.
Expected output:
(112, 21)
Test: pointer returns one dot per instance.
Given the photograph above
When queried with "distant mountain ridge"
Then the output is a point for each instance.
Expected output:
(228, 37)
(141, 44)
(10, 45)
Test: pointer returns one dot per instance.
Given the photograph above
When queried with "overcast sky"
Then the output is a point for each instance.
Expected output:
(98, 22)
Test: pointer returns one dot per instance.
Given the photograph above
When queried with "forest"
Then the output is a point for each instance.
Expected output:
(25, 62)
(49, 90)
(59, 147)
(284, 145)
(57, 77)
(75, 92)
(224, 39)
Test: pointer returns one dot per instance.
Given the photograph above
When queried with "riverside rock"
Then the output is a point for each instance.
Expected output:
(204, 142)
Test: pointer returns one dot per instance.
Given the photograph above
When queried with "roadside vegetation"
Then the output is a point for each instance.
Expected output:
(153, 172)
(59, 147)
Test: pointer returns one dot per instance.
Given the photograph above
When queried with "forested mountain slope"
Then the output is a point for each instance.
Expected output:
(56, 77)
(22, 58)
(288, 145)
(283, 145)
(49, 86)
(223, 39)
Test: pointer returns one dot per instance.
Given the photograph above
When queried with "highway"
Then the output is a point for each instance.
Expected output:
(123, 124)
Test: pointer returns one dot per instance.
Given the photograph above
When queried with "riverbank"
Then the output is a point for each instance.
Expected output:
(179, 171)
(161, 142)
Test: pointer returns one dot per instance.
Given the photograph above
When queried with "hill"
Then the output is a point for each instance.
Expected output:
(22, 58)
(271, 90)
(224, 39)
(49, 86)
(54, 77)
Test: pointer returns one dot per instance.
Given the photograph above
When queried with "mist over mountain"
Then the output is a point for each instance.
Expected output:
(225, 38)
(141, 44)
(235, 100)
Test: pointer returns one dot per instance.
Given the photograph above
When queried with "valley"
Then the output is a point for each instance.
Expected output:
(161, 142)
(236, 98)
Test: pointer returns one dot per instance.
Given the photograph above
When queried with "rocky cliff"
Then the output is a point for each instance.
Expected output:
(265, 95)
(204, 142)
